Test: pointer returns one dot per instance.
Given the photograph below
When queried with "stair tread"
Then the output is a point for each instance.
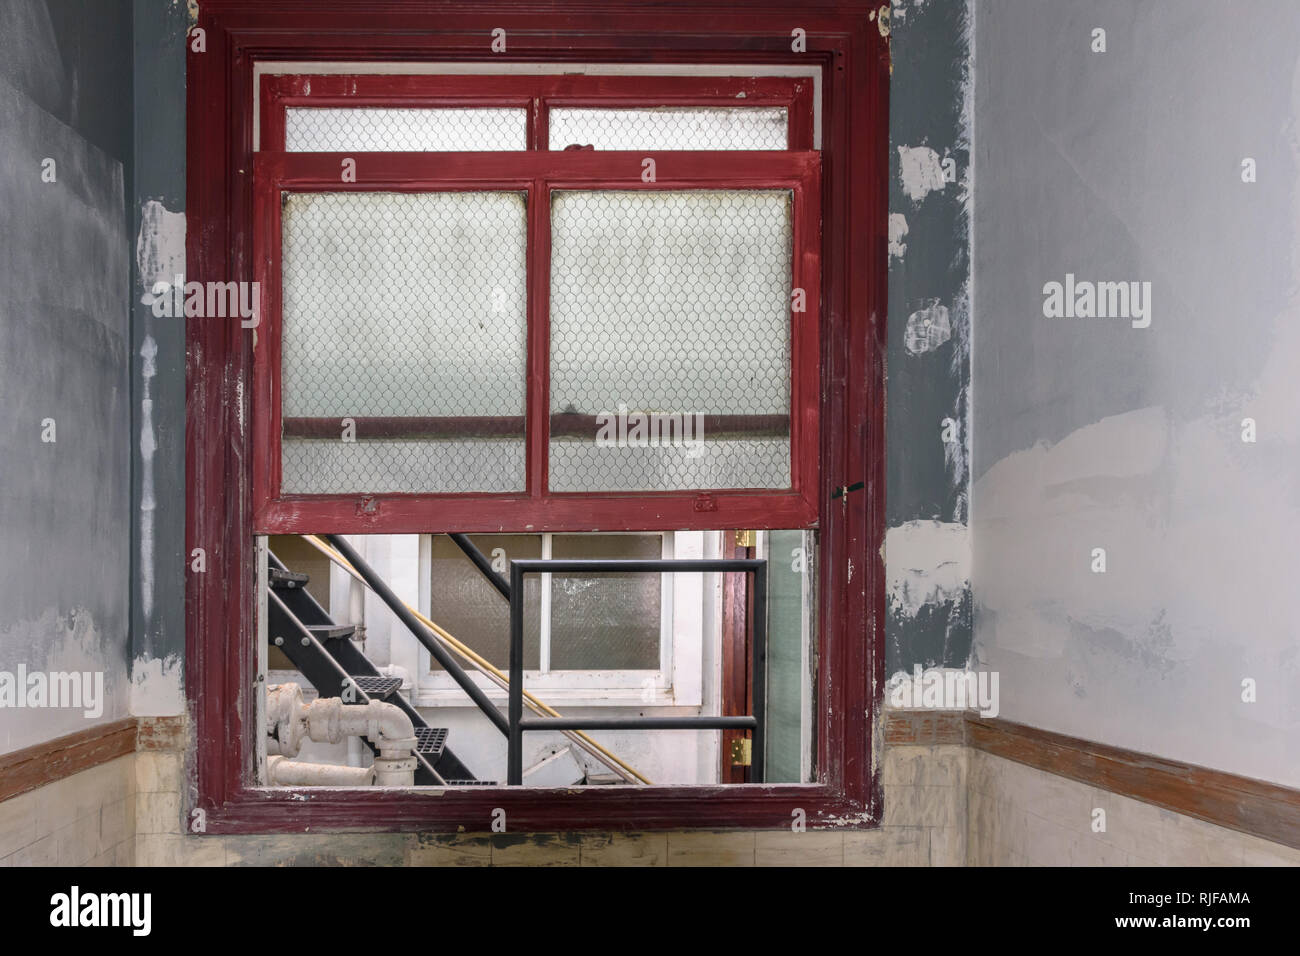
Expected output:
(377, 686)
(286, 579)
(331, 632)
(430, 740)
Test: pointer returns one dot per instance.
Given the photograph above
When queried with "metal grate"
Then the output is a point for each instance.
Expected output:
(334, 129)
(724, 128)
(404, 328)
(430, 740)
(376, 687)
(670, 340)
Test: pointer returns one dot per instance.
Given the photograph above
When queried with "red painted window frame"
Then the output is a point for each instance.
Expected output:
(281, 91)
(538, 172)
(221, 671)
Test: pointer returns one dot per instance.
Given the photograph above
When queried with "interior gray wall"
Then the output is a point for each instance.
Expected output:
(65, 94)
(928, 362)
(1089, 433)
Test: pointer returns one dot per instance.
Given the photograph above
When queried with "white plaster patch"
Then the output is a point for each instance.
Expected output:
(159, 247)
(920, 170)
(897, 232)
(148, 503)
(927, 329)
(926, 562)
(157, 687)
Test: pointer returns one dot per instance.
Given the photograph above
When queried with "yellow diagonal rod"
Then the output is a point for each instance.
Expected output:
(493, 674)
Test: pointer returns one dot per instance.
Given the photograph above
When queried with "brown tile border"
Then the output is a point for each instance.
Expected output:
(1265, 810)
(40, 764)
(162, 733)
(925, 727)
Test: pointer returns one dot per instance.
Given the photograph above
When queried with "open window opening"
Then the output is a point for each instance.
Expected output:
(559, 303)
(623, 646)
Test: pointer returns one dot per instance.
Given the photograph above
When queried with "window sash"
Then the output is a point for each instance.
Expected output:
(539, 173)
(537, 94)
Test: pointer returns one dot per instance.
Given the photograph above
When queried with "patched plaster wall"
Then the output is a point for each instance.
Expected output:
(1127, 165)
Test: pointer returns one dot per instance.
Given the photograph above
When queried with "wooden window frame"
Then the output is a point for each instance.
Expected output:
(221, 671)
(537, 172)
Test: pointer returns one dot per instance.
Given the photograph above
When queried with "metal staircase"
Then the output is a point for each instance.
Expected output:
(331, 661)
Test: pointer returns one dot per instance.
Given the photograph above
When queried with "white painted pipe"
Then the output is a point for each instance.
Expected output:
(283, 772)
(329, 720)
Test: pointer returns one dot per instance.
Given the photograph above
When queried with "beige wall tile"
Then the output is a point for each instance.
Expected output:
(887, 846)
(115, 825)
(948, 846)
(158, 813)
(535, 849)
(809, 848)
(449, 849)
(915, 766)
(78, 843)
(311, 849)
(82, 794)
(21, 824)
(169, 849)
(1020, 813)
(697, 848)
(923, 806)
(158, 772)
(624, 849)
(44, 852)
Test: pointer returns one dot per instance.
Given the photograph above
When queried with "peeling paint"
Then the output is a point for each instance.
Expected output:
(920, 170)
(927, 328)
(159, 247)
(157, 687)
(897, 232)
(927, 562)
(148, 503)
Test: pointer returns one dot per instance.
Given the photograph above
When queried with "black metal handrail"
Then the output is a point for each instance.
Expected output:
(422, 634)
(758, 659)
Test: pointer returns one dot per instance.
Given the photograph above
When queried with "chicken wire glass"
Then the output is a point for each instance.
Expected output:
(606, 621)
(749, 127)
(318, 129)
(675, 306)
(405, 313)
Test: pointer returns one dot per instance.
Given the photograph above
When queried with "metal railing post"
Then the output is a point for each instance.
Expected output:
(758, 675)
(515, 751)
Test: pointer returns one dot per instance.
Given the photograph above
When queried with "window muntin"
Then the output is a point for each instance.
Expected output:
(521, 456)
